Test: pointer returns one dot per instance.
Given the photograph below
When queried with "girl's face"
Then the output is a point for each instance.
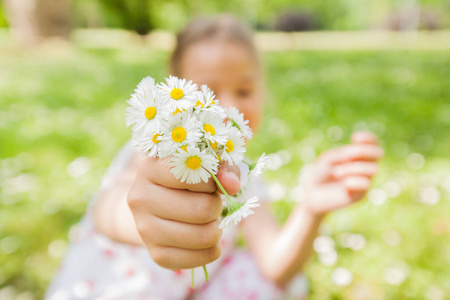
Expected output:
(231, 71)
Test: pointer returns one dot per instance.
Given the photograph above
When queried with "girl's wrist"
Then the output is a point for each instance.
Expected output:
(311, 204)
(306, 212)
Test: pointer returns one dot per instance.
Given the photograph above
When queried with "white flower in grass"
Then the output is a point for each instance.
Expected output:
(206, 102)
(192, 165)
(181, 129)
(178, 93)
(256, 169)
(147, 143)
(234, 150)
(145, 110)
(238, 211)
(213, 128)
(237, 119)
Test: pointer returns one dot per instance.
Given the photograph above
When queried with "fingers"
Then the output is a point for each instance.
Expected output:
(360, 168)
(178, 222)
(157, 212)
(180, 235)
(336, 195)
(229, 177)
(356, 183)
(176, 258)
(172, 204)
(364, 137)
(158, 172)
(329, 197)
(356, 187)
(343, 175)
(352, 152)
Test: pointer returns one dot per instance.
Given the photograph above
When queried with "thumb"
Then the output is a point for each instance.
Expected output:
(229, 177)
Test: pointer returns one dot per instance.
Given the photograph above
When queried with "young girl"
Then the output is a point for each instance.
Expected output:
(144, 248)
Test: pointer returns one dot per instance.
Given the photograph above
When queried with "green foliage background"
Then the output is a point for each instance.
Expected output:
(329, 14)
(145, 15)
(65, 109)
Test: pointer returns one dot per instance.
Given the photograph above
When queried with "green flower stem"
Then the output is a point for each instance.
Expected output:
(206, 273)
(232, 205)
(250, 165)
(193, 285)
(221, 187)
(246, 162)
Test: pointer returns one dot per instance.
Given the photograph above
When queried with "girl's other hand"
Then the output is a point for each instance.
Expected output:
(178, 222)
(342, 176)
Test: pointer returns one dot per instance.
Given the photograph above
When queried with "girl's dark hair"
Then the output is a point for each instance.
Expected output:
(224, 28)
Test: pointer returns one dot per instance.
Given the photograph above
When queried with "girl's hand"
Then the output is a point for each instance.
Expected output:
(178, 222)
(342, 176)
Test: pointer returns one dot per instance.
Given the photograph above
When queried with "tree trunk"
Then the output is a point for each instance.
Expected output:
(34, 20)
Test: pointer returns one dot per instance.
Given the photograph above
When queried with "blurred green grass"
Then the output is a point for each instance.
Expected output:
(62, 121)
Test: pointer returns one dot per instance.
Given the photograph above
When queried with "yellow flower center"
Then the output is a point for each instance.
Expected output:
(179, 134)
(230, 146)
(150, 112)
(177, 111)
(176, 94)
(193, 162)
(199, 104)
(214, 145)
(184, 147)
(209, 128)
(155, 138)
(212, 102)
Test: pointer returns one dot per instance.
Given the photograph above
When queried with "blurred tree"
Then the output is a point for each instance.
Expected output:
(295, 21)
(33, 20)
(133, 14)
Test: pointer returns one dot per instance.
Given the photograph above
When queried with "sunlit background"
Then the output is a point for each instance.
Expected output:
(68, 67)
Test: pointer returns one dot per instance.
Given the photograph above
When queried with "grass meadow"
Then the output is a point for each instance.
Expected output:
(62, 121)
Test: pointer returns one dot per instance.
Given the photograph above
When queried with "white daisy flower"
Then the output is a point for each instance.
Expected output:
(145, 86)
(234, 150)
(181, 129)
(256, 169)
(209, 147)
(147, 143)
(237, 119)
(178, 93)
(145, 111)
(213, 128)
(193, 165)
(206, 102)
(238, 211)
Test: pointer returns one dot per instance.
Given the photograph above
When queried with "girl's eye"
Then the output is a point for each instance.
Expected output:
(243, 93)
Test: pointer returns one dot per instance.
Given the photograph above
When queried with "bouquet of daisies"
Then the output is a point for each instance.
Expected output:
(179, 123)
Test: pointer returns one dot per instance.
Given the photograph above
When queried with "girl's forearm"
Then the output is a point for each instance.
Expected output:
(291, 246)
(113, 218)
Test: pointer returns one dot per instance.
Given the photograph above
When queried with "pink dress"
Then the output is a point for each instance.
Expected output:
(96, 267)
